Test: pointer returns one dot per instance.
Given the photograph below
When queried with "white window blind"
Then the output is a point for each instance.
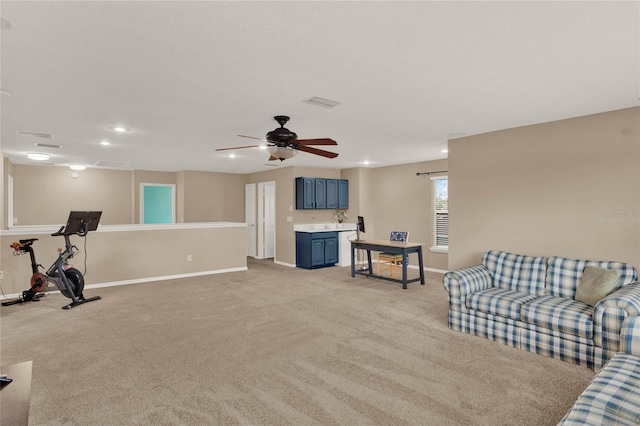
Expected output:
(440, 213)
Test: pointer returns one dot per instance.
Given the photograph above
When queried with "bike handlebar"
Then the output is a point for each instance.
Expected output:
(56, 234)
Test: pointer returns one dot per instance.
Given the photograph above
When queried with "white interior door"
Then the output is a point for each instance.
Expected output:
(250, 217)
(266, 220)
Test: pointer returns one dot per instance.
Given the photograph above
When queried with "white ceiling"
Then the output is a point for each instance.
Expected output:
(188, 77)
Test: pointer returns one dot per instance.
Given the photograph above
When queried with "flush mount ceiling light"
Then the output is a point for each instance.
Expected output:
(38, 156)
(323, 102)
(281, 152)
(41, 135)
(77, 166)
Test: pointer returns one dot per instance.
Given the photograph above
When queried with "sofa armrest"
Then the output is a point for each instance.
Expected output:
(610, 313)
(630, 336)
(462, 282)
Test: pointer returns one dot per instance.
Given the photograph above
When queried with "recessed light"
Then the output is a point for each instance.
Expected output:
(366, 162)
(231, 156)
(262, 147)
(105, 143)
(77, 166)
(444, 151)
(38, 156)
(119, 129)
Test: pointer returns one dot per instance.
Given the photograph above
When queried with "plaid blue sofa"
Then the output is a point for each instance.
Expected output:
(529, 303)
(613, 396)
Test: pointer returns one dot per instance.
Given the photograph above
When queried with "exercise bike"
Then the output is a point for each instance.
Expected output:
(66, 278)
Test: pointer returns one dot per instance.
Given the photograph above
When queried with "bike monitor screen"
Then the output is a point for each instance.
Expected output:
(82, 222)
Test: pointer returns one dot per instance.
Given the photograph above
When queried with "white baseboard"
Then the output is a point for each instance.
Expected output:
(290, 265)
(143, 280)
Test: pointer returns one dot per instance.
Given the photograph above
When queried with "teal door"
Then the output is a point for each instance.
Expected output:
(158, 203)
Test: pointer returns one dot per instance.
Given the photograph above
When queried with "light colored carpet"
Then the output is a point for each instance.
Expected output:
(276, 346)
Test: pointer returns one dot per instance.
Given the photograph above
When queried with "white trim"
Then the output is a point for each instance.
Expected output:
(49, 229)
(143, 280)
(439, 271)
(439, 249)
(290, 265)
(9, 200)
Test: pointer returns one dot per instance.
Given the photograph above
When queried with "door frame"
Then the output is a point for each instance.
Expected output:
(250, 217)
(261, 219)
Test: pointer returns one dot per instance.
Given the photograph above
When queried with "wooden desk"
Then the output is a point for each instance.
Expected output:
(15, 397)
(388, 247)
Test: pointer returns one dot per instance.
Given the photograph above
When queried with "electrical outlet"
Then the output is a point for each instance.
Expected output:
(189, 259)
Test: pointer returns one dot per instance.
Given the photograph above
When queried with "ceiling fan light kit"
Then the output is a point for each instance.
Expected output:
(283, 144)
(281, 153)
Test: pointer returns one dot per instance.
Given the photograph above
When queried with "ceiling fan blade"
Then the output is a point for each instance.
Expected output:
(317, 151)
(322, 141)
(252, 137)
(238, 147)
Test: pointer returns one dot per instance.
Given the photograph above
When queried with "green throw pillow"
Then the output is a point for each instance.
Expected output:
(595, 284)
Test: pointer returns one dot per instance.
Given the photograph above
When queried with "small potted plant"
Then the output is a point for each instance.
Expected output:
(340, 215)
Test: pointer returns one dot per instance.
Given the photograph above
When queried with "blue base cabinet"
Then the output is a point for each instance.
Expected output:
(316, 249)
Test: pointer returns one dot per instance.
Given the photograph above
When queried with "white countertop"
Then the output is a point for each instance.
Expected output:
(324, 227)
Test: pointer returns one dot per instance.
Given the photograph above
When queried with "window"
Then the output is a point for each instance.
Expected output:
(440, 213)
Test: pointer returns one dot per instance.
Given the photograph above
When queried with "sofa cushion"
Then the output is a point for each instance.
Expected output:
(595, 284)
(564, 315)
(516, 272)
(612, 397)
(499, 301)
(564, 274)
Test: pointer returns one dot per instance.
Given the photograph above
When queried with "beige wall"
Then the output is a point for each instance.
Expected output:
(402, 202)
(5, 166)
(38, 191)
(568, 188)
(211, 197)
(44, 195)
(113, 256)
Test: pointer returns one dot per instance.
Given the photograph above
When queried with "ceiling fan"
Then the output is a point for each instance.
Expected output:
(283, 143)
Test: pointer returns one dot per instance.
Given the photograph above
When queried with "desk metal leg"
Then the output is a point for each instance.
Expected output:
(369, 261)
(353, 260)
(421, 264)
(405, 258)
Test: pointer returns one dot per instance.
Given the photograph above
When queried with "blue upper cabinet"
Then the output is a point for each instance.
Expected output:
(305, 193)
(321, 193)
(343, 194)
(332, 193)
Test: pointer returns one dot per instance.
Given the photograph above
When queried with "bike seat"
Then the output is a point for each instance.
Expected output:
(29, 241)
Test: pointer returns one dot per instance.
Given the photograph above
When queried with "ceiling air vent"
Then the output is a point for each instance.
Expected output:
(47, 145)
(111, 164)
(35, 134)
(327, 103)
